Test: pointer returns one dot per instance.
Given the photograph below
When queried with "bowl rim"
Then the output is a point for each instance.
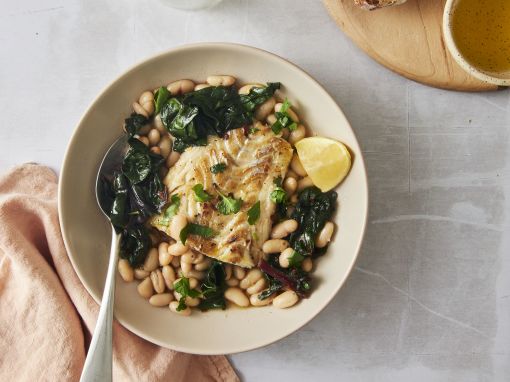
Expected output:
(175, 50)
(458, 56)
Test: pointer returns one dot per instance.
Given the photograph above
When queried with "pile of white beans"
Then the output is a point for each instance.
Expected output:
(168, 261)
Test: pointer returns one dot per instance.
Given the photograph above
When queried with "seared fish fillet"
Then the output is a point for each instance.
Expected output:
(252, 164)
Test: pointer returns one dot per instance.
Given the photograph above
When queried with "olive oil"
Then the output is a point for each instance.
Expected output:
(481, 31)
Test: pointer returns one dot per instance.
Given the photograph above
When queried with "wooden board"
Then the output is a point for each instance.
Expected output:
(406, 39)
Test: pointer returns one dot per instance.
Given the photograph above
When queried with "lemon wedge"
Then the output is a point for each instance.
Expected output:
(326, 161)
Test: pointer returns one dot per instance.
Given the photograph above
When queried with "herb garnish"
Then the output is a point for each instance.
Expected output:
(254, 213)
(296, 259)
(200, 194)
(228, 204)
(283, 119)
(218, 167)
(170, 211)
(183, 288)
(196, 229)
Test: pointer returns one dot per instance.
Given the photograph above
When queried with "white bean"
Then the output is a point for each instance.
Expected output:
(173, 307)
(125, 270)
(176, 262)
(239, 273)
(291, 174)
(232, 282)
(290, 185)
(283, 259)
(245, 89)
(296, 166)
(186, 268)
(193, 282)
(271, 119)
(181, 87)
(203, 265)
(140, 110)
(140, 274)
(275, 246)
(172, 159)
(165, 145)
(228, 271)
(144, 140)
(177, 223)
(196, 274)
(284, 228)
(256, 301)
(161, 299)
(192, 257)
(257, 287)
(154, 137)
(164, 257)
(286, 299)
(222, 80)
(145, 288)
(151, 261)
(262, 112)
(304, 183)
(155, 150)
(296, 135)
(294, 198)
(158, 282)
(251, 278)
(147, 101)
(178, 249)
(325, 235)
(169, 276)
(237, 296)
(290, 112)
(158, 124)
(201, 86)
(144, 130)
(307, 264)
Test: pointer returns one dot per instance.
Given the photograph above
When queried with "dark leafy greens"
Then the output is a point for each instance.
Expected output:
(213, 288)
(218, 167)
(313, 209)
(160, 98)
(134, 123)
(289, 278)
(134, 194)
(211, 111)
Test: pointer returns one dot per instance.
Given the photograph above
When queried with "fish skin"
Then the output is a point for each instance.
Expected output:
(253, 162)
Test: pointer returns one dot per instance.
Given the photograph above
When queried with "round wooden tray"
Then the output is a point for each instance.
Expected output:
(406, 39)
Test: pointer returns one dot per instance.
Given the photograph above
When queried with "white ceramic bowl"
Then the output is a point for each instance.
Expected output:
(86, 232)
(500, 79)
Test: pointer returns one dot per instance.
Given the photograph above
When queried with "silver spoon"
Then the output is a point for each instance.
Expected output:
(98, 365)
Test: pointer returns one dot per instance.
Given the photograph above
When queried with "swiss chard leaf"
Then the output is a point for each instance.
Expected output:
(213, 288)
(254, 213)
(134, 123)
(291, 278)
(273, 286)
(169, 111)
(313, 209)
(160, 98)
(258, 95)
(119, 207)
(200, 195)
(218, 167)
(196, 229)
(135, 244)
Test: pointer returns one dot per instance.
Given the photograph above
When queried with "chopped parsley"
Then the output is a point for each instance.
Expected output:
(200, 194)
(283, 119)
(218, 167)
(196, 229)
(183, 288)
(296, 259)
(229, 205)
(170, 211)
(254, 213)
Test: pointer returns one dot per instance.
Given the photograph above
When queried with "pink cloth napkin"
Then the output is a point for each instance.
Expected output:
(47, 316)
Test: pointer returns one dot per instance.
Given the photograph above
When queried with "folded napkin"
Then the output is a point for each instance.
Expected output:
(47, 316)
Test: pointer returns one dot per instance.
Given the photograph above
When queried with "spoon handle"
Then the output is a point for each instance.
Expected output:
(98, 365)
